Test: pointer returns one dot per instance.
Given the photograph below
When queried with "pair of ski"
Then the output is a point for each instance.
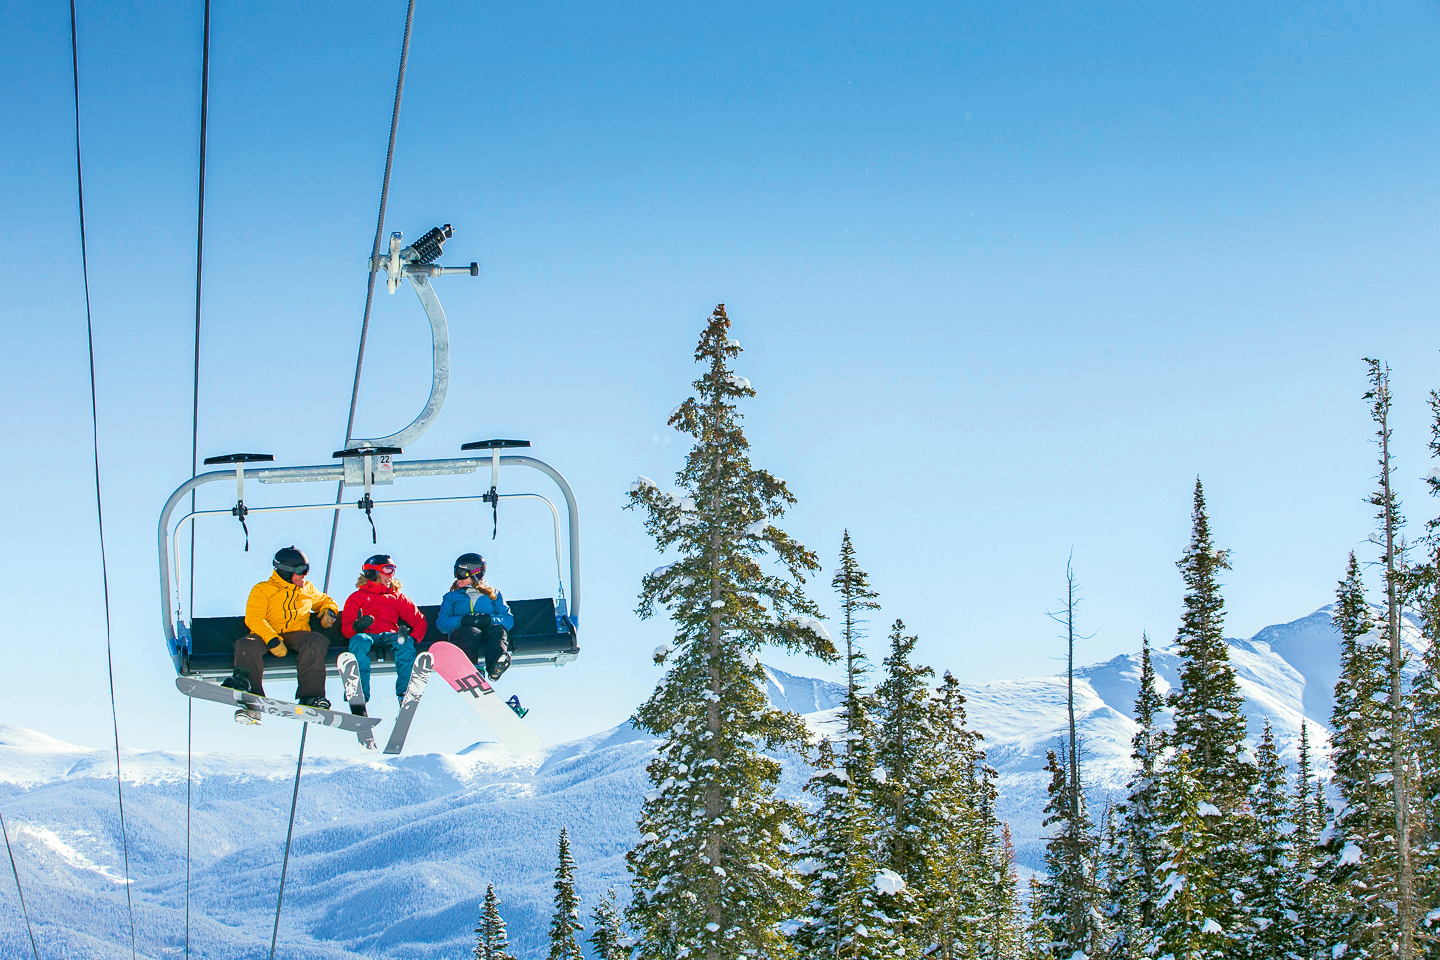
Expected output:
(503, 717)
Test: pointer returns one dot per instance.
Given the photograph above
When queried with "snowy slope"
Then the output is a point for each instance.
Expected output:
(391, 856)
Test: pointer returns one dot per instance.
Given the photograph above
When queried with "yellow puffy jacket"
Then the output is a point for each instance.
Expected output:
(277, 606)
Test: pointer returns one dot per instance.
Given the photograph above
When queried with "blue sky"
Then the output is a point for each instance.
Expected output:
(1008, 279)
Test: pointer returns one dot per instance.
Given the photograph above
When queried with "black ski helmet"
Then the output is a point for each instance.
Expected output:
(376, 565)
(469, 564)
(290, 561)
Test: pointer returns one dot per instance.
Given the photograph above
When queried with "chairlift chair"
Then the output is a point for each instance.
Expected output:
(546, 630)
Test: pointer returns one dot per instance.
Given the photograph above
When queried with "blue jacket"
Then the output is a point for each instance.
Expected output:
(457, 603)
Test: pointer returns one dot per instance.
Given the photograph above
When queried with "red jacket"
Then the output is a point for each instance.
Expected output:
(387, 605)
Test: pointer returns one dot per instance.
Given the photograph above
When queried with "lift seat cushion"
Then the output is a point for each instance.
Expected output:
(212, 639)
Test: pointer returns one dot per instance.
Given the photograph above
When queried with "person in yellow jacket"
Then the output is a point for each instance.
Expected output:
(278, 617)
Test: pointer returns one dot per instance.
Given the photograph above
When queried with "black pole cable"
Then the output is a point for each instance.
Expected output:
(189, 784)
(370, 282)
(289, 832)
(95, 443)
(195, 425)
(16, 870)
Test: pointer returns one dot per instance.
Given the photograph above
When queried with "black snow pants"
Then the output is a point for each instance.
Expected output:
(491, 642)
(309, 649)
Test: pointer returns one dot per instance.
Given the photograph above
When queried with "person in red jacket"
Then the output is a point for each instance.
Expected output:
(378, 613)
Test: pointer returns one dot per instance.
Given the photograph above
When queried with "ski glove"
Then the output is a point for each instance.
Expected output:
(276, 646)
(478, 621)
(363, 623)
(327, 618)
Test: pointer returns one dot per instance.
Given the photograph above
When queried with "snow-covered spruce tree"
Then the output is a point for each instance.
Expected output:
(606, 941)
(1388, 538)
(1311, 893)
(1209, 718)
(905, 756)
(1425, 709)
(1131, 889)
(1270, 908)
(565, 920)
(1004, 934)
(959, 842)
(1361, 849)
(712, 873)
(1192, 899)
(491, 941)
(847, 916)
(1067, 910)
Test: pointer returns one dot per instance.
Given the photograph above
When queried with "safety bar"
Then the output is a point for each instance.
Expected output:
(328, 472)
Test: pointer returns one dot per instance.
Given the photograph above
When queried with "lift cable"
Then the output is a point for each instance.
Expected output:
(289, 832)
(95, 442)
(350, 424)
(195, 428)
(370, 282)
(34, 950)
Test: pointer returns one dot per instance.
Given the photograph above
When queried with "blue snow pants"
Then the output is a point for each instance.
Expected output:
(400, 645)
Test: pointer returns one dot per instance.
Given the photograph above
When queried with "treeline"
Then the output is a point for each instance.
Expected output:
(1217, 849)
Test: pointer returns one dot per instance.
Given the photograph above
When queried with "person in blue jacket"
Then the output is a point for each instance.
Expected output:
(475, 617)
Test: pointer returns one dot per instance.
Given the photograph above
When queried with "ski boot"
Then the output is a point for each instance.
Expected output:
(514, 704)
(239, 679)
(502, 664)
(248, 716)
(319, 703)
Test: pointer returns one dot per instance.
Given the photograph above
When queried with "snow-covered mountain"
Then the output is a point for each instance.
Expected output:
(391, 856)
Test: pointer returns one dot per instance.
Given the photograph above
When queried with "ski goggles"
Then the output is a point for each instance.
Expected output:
(386, 568)
(470, 571)
(299, 570)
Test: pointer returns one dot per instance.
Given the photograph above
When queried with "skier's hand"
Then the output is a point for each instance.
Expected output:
(364, 623)
(276, 646)
(327, 618)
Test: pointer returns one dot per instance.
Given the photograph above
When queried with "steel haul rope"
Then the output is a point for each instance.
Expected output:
(370, 283)
(95, 438)
(195, 427)
(350, 422)
(16, 870)
(289, 832)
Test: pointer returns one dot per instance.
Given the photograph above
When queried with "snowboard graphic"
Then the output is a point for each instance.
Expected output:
(410, 702)
(349, 669)
(452, 664)
(210, 690)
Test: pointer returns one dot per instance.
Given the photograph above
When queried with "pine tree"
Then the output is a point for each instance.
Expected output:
(1209, 718)
(1208, 705)
(1067, 907)
(713, 871)
(1314, 936)
(1192, 901)
(958, 839)
(905, 756)
(1361, 858)
(848, 915)
(565, 921)
(1270, 908)
(1387, 505)
(606, 942)
(1004, 934)
(491, 942)
(1132, 891)
(1425, 710)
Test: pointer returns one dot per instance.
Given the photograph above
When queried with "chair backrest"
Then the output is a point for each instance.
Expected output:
(534, 639)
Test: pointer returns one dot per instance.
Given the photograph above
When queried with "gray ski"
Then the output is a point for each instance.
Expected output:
(410, 702)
